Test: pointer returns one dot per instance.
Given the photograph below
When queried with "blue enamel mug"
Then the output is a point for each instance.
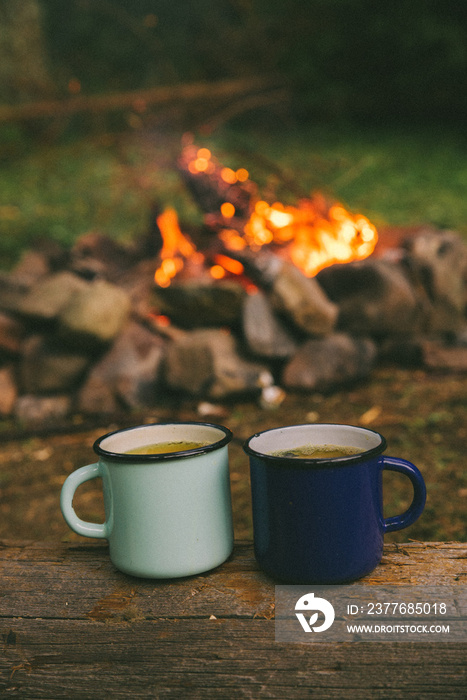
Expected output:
(320, 519)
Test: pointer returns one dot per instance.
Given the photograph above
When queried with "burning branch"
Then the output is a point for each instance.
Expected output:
(218, 191)
(312, 234)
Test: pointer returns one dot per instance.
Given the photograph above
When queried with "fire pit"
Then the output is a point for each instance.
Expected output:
(263, 298)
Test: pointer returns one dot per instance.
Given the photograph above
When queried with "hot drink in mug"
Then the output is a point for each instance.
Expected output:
(318, 503)
(167, 498)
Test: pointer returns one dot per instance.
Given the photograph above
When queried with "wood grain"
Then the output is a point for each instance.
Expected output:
(71, 625)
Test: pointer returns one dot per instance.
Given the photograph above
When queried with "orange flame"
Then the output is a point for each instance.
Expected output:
(313, 234)
(229, 264)
(176, 248)
(314, 239)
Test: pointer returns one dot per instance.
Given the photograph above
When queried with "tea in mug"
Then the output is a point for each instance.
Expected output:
(159, 448)
(318, 451)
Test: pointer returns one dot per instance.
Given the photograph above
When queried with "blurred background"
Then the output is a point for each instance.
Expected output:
(364, 101)
(343, 59)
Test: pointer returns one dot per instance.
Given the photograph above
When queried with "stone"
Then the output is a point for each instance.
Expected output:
(95, 314)
(11, 334)
(303, 301)
(46, 367)
(206, 362)
(437, 261)
(443, 356)
(427, 352)
(32, 266)
(194, 303)
(375, 298)
(128, 374)
(97, 255)
(31, 409)
(461, 336)
(404, 351)
(96, 397)
(138, 282)
(8, 390)
(12, 292)
(264, 333)
(323, 364)
(50, 296)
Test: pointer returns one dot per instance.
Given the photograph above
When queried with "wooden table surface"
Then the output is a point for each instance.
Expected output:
(72, 626)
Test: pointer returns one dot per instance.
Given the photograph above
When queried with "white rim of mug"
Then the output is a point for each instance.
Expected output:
(307, 462)
(181, 454)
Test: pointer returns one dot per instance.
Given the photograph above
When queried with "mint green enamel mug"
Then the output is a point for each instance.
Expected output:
(167, 514)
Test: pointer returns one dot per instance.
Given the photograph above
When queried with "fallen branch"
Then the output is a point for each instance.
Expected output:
(138, 99)
(244, 104)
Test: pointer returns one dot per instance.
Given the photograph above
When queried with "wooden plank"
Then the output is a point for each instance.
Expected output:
(215, 658)
(237, 587)
(71, 625)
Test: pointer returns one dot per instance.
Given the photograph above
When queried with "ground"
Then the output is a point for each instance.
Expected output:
(421, 414)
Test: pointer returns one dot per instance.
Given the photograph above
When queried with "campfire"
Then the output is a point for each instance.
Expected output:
(313, 234)
(263, 298)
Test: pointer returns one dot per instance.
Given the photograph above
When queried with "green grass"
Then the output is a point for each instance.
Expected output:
(106, 183)
(394, 177)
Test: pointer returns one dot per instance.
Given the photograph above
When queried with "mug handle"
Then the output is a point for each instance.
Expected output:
(398, 522)
(75, 479)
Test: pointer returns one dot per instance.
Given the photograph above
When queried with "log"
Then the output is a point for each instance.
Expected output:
(73, 626)
(223, 90)
(210, 190)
